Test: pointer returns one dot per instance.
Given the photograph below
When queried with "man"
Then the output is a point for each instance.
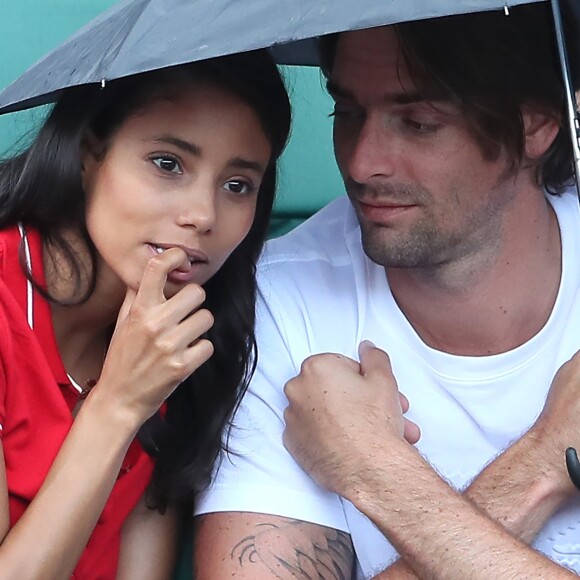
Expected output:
(450, 256)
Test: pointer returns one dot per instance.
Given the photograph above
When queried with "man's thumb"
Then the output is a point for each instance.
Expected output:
(373, 358)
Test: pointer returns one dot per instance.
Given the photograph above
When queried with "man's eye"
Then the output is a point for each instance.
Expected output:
(239, 187)
(168, 164)
(342, 112)
(422, 128)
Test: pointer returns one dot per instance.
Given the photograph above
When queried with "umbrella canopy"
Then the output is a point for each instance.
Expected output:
(139, 35)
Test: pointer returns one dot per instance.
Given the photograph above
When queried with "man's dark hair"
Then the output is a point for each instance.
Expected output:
(490, 64)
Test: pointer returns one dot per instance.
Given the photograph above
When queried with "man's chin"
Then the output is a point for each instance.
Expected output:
(395, 254)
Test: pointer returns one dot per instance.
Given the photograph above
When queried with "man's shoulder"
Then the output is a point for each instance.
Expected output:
(319, 266)
(327, 236)
(566, 201)
(567, 210)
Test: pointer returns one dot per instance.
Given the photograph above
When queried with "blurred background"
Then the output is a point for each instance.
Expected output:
(308, 174)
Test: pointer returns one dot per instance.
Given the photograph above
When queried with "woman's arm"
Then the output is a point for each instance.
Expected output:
(4, 511)
(149, 544)
(155, 346)
(61, 517)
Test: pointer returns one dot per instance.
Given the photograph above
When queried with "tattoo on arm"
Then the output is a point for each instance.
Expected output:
(296, 549)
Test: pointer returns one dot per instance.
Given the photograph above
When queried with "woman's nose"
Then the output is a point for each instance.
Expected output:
(199, 210)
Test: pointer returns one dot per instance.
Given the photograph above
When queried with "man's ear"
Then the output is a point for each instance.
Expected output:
(540, 130)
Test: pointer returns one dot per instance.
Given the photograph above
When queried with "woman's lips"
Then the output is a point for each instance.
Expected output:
(188, 271)
(192, 254)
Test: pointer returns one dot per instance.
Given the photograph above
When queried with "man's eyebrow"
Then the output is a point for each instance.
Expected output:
(411, 98)
(403, 98)
(335, 91)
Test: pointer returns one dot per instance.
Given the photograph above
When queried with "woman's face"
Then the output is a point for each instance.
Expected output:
(183, 171)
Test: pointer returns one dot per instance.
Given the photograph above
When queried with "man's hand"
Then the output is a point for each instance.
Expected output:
(339, 411)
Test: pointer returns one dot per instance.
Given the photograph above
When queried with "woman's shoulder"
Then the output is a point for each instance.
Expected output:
(13, 282)
(18, 245)
(10, 241)
(7, 239)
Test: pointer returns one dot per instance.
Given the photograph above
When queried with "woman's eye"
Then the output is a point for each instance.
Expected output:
(239, 187)
(167, 164)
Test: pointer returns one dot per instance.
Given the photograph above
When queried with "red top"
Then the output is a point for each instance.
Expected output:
(36, 403)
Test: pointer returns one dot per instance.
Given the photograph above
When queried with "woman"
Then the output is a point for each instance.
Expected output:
(130, 231)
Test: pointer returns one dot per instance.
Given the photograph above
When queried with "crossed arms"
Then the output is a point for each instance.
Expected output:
(350, 436)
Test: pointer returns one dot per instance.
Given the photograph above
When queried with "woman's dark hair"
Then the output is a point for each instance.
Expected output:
(490, 64)
(42, 188)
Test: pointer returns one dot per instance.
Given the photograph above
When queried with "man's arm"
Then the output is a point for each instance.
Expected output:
(261, 547)
(514, 491)
(520, 490)
(526, 484)
(349, 436)
(437, 532)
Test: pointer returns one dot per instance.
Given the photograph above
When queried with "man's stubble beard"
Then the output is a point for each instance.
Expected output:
(389, 246)
(414, 248)
(426, 243)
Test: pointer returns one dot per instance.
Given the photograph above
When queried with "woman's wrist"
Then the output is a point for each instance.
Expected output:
(118, 418)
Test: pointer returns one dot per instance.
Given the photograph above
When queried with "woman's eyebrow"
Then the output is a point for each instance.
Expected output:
(182, 144)
(196, 150)
(241, 163)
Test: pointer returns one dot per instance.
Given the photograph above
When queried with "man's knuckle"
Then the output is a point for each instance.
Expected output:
(314, 362)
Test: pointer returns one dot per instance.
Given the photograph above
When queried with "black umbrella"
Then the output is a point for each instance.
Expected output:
(135, 36)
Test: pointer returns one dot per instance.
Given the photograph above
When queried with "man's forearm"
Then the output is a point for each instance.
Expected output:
(441, 534)
(520, 489)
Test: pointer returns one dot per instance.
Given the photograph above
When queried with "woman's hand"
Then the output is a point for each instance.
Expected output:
(156, 343)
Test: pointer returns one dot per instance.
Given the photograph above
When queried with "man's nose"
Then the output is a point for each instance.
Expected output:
(373, 152)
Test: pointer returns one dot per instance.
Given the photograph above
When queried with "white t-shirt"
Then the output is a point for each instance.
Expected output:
(320, 293)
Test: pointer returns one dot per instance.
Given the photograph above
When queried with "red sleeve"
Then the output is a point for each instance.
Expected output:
(4, 339)
(5, 356)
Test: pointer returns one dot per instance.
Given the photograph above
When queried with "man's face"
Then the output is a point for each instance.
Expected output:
(423, 190)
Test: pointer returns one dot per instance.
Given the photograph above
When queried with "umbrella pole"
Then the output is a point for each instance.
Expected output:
(572, 461)
(571, 102)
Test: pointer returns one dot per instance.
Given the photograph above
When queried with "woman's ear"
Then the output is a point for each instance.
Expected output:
(91, 155)
(540, 130)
